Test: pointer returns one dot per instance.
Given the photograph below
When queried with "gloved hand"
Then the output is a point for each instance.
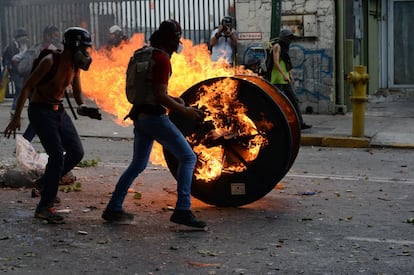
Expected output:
(90, 112)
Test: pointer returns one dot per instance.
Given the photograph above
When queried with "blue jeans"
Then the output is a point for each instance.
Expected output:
(148, 128)
(60, 141)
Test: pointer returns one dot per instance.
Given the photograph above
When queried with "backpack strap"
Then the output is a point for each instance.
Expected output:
(51, 73)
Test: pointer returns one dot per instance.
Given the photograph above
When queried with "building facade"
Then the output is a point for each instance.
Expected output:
(334, 37)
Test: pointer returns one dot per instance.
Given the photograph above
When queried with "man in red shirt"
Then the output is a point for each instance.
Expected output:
(152, 123)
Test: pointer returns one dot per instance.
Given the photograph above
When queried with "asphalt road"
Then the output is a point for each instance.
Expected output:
(339, 211)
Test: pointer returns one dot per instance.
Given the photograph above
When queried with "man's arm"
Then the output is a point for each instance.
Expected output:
(161, 94)
(215, 35)
(41, 70)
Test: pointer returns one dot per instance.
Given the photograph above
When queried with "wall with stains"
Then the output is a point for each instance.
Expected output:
(312, 56)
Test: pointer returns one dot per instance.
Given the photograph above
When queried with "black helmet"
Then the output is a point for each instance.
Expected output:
(75, 37)
(170, 28)
(286, 33)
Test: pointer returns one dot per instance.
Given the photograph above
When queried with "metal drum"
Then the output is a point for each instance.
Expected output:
(257, 151)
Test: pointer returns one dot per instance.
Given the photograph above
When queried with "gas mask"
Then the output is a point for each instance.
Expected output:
(180, 48)
(57, 43)
(82, 59)
(23, 41)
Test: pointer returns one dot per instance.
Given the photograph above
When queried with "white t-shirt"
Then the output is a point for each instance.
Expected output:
(223, 48)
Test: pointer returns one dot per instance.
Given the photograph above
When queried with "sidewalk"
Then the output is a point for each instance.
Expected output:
(389, 122)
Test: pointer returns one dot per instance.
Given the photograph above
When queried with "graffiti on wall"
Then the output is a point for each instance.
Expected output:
(312, 70)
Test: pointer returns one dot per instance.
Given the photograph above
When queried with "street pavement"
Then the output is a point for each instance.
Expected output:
(388, 122)
(337, 211)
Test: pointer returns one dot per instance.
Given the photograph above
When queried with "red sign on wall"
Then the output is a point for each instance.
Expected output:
(250, 36)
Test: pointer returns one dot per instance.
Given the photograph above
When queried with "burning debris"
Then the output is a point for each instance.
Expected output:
(228, 139)
(104, 82)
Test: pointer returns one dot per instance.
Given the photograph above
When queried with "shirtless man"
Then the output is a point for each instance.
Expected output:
(54, 72)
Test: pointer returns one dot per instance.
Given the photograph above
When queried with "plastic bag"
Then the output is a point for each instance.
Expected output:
(27, 157)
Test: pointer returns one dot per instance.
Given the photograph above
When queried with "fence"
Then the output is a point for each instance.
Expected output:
(197, 17)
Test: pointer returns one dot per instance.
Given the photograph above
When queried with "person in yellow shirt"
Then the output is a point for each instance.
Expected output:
(281, 76)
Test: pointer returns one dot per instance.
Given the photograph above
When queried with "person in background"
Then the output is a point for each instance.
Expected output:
(223, 41)
(116, 37)
(282, 76)
(254, 65)
(51, 41)
(11, 58)
(47, 84)
(151, 122)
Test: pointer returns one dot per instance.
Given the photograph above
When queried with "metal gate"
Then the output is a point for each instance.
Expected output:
(197, 17)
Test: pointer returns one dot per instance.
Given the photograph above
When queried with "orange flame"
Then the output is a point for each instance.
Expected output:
(239, 138)
(104, 82)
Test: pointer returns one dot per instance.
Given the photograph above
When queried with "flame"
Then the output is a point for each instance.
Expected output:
(104, 82)
(232, 140)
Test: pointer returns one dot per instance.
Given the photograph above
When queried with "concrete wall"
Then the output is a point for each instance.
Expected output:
(312, 57)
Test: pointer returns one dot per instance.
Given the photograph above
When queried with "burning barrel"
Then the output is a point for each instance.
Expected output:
(246, 143)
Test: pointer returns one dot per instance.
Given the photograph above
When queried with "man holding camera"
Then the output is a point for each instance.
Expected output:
(223, 41)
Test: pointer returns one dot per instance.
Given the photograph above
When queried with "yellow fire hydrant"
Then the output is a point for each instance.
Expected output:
(358, 78)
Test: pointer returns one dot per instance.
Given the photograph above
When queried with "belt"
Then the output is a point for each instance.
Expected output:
(49, 106)
(147, 115)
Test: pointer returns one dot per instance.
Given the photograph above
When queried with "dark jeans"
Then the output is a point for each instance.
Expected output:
(290, 94)
(61, 142)
(29, 133)
(18, 85)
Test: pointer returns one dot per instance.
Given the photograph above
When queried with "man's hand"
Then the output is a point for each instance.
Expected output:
(11, 128)
(194, 113)
(90, 112)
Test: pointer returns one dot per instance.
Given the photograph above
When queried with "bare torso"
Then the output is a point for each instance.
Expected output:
(53, 90)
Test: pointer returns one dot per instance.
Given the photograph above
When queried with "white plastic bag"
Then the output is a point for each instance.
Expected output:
(27, 157)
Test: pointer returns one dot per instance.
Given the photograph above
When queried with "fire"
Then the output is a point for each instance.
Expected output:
(104, 82)
(229, 138)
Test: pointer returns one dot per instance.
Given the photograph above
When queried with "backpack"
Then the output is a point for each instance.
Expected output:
(139, 73)
(26, 63)
(269, 58)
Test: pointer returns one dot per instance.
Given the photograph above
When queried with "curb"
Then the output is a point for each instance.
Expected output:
(334, 141)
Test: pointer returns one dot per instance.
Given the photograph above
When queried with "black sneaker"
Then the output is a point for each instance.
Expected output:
(305, 126)
(186, 217)
(49, 214)
(116, 216)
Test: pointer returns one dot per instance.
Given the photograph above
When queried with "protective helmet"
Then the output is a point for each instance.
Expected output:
(286, 33)
(75, 37)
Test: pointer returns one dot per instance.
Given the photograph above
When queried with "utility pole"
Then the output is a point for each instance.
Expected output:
(276, 18)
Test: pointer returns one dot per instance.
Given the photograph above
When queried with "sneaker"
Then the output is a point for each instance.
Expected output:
(186, 217)
(36, 191)
(49, 214)
(305, 126)
(116, 216)
(68, 179)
